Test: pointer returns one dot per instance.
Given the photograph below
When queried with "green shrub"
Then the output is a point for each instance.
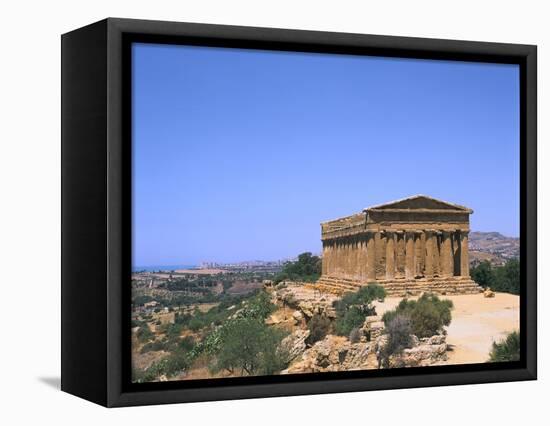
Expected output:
(187, 343)
(398, 331)
(157, 345)
(428, 315)
(319, 327)
(173, 331)
(144, 334)
(170, 366)
(353, 308)
(352, 318)
(362, 298)
(196, 323)
(258, 307)
(175, 363)
(137, 323)
(507, 350)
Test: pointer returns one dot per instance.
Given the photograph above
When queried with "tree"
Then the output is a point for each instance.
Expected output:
(507, 350)
(306, 268)
(428, 315)
(504, 278)
(507, 277)
(244, 343)
(483, 274)
(250, 347)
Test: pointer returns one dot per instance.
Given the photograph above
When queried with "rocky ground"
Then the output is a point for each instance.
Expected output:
(477, 322)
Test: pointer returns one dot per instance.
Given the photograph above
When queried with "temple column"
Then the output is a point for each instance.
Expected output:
(345, 257)
(399, 254)
(324, 262)
(357, 248)
(329, 257)
(437, 251)
(331, 262)
(340, 257)
(446, 257)
(409, 255)
(464, 255)
(356, 273)
(362, 257)
(349, 258)
(429, 263)
(419, 254)
(390, 255)
(371, 256)
(335, 258)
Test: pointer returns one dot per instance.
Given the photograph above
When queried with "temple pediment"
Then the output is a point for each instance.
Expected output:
(420, 203)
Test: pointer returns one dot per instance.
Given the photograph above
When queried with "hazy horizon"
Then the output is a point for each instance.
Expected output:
(183, 264)
(240, 154)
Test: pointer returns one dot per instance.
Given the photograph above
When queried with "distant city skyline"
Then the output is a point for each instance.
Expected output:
(240, 154)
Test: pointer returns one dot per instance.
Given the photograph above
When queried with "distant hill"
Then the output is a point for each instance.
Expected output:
(492, 246)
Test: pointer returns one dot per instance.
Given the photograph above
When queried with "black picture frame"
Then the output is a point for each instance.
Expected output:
(96, 201)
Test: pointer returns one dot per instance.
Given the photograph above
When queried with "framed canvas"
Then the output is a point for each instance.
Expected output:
(255, 212)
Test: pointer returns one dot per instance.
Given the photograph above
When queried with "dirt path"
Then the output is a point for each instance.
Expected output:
(477, 323)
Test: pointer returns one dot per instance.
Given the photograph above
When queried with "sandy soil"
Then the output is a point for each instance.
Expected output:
(477, 322)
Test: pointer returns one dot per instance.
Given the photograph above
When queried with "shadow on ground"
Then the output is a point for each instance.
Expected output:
(54, 382)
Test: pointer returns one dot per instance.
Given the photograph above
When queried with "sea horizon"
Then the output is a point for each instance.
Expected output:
(152, 268)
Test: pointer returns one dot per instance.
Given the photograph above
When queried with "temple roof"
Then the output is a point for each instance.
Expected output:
(419, 202)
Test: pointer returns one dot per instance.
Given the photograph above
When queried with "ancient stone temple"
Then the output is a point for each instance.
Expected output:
(408, 246)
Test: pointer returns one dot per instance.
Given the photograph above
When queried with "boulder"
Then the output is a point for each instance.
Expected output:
(298, 317)
(306, 308)
(373, 327)
(423, 352)
(295, 343)
(488, 293)
(272, 320)
(438, 339)
(319, 307)
(334, 353)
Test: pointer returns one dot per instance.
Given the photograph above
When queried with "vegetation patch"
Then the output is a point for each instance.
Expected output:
(353, 308)
(427, 315)
(319, 326)
(504, 279)
(398, 331)
(307, 268)
(507, 350)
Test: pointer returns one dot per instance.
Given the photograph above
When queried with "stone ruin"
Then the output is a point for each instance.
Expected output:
(410, 246)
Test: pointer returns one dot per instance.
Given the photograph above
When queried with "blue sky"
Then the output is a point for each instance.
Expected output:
(240, 154)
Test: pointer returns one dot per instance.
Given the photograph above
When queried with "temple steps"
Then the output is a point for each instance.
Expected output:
(401, 288)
